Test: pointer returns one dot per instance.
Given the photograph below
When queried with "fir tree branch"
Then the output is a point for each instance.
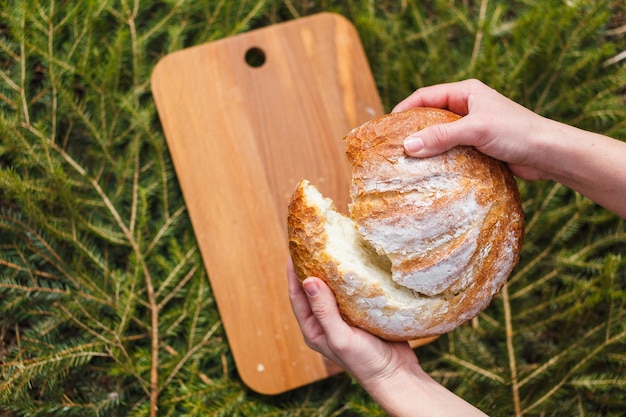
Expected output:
(540, 282)
(545, 202)
(178, 287)
(555, 359)
(480, 27)
(510, 346)
(162, 23)
(173, 274)
(546, 251)
(56, 260)
(564, 52)
(587, 383)
(244, 22)
(9, 82)
(163, 229)
(192, 351)
(15, 370)
(96, 248)
(22, 87)
(484, 372)
(574, 369)
(30, 288)
(152, 303)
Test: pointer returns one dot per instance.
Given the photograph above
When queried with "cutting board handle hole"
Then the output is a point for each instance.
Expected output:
(255, 57)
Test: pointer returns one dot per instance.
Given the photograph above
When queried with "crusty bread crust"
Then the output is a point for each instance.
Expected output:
(429, 242)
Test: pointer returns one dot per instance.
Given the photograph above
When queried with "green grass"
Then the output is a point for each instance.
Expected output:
(105, 308)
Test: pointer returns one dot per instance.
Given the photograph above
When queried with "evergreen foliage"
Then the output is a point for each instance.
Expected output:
(105, 307)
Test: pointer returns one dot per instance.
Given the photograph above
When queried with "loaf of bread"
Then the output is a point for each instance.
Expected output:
(428, 242)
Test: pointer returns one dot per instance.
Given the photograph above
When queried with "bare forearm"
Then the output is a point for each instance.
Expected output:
(589, 163)
(414, 393)
(533, 146)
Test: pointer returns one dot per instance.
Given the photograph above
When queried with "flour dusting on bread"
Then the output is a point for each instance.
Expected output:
(428, 243)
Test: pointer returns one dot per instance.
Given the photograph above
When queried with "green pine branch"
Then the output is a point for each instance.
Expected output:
(105, 307)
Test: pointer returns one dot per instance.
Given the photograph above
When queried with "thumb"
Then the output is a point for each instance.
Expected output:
(324, 305)
(435, 139)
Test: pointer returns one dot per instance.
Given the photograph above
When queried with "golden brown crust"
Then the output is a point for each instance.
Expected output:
(451, 226)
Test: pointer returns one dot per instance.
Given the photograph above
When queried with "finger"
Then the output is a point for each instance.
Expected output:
(310, 327)
(324, 307)
(295, 289)
(297, 297)
(450, 96)
(439, 138)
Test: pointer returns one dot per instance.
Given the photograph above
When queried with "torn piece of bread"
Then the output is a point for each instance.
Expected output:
(428, 243)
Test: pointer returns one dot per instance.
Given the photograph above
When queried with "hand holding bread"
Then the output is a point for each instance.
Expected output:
(533, 147)
(428, 243)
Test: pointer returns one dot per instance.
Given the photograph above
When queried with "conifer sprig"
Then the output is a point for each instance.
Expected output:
(105, 306)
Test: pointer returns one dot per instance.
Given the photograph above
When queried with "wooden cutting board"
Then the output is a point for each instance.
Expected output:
(245, 118)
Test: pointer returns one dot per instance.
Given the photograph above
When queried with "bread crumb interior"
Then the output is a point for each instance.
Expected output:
(346, 245)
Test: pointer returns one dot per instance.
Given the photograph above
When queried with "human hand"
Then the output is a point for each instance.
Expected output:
(389, 371)
(492, 123)
(369, 359)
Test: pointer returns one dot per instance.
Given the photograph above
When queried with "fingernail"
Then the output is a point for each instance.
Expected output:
(311, 288)
(413, 143)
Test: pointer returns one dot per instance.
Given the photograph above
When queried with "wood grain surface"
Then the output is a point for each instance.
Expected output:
(241, 137)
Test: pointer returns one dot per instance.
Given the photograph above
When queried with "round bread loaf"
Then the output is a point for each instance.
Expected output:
(428, 243)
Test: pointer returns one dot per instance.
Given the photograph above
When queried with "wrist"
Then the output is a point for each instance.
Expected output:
(570, 154)
(410, 391)
(552, 149)
(587, 162)
(400, 391)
